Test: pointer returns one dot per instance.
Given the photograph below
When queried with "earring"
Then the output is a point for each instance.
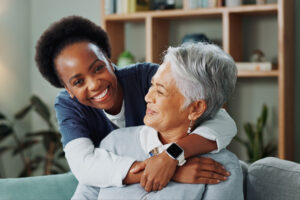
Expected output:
(190, 127)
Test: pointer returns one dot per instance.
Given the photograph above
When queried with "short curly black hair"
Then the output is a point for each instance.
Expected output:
(66, 31)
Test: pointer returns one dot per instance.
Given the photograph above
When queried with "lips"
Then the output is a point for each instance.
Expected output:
(150, 111)
(100, 97)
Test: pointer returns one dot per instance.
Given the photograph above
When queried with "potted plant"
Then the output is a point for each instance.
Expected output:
(49, 138)
(255, 144)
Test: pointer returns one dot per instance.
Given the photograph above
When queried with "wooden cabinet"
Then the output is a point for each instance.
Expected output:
(157, 32)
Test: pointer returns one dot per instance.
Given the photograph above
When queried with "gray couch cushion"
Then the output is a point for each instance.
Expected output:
(272, 178)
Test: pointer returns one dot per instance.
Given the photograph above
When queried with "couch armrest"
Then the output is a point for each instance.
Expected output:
(61, 186)
(273, 178)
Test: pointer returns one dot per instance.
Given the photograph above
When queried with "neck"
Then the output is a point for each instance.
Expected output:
(118, 105)
(173, 135)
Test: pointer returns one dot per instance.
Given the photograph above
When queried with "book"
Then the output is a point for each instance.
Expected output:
(254, 66)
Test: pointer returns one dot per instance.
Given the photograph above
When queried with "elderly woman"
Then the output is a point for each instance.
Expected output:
(189, 88)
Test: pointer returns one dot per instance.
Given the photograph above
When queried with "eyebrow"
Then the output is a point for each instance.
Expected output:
(159, 84)
(90, 67)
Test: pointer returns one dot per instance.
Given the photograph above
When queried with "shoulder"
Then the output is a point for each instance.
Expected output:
(123, 142)
(226, 158)
(122, 135)
(65, 104)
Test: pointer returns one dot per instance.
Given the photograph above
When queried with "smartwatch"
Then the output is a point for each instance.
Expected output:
(177, 153)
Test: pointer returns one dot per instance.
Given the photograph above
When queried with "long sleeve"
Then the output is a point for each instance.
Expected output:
(96, 166)
(221, 129)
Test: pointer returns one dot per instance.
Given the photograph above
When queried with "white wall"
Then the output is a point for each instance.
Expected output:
(14, 70)
(44, 13)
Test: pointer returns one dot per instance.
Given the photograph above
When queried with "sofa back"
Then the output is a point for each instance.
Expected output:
(273, 179)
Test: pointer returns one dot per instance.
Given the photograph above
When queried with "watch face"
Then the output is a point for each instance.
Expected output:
(174, 150)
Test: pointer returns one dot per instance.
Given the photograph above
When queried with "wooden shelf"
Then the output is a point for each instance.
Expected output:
(257, 74)
(199, 12)
(157, 28)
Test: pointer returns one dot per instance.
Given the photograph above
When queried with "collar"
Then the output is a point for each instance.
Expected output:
(150, 141)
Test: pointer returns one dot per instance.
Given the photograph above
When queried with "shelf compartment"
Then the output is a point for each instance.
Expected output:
(257, 74)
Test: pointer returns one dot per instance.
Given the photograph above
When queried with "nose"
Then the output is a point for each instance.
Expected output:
(93, 84)
(150, 97)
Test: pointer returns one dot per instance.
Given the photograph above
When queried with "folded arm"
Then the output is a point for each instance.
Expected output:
(96, 166)
(211, 136)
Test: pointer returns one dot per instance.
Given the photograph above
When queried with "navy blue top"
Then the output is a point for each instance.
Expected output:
(76, 120)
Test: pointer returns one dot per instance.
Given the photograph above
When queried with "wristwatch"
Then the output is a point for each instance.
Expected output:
(177, 153)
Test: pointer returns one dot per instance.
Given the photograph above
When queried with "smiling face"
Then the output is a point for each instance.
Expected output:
(88, 75)
(164, 105)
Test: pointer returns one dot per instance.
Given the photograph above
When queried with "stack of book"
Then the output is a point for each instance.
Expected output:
(254, 66)
(125, 6)
(191, 4)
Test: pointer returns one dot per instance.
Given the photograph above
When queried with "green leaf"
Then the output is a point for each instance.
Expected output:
(25, 145)
(61, 154)
(41, 108)
(23, 112)
(2, 116)
(249, 132)
(264, 114)
(269, 150)
(59, 166)
(4, 149)
(5, 131)
(240, 140)
(54, 171)
(37, 161)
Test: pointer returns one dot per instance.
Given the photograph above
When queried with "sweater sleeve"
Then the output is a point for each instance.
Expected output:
(221, 129)
(96, 166)
(90, 165)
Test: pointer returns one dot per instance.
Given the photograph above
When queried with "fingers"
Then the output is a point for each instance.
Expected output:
(210, 175)
(148, 186)
(143, 180)
(138, 167)
(211, 165)
(151, 184)
(205, 160)
(156, 186)
(207, 181)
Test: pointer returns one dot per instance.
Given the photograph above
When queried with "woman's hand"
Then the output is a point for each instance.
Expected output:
(158, 171)
(132, 178)
(201, 170)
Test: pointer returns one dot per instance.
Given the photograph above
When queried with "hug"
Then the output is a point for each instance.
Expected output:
(143, 131)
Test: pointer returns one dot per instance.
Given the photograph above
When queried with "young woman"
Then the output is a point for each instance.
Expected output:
(73, 54)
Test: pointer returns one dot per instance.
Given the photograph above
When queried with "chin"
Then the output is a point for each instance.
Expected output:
(147, 121)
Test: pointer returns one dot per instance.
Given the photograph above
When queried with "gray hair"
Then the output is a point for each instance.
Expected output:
(203, 71)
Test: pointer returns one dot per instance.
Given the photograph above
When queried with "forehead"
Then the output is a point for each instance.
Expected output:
(81, 50)
(163, 74)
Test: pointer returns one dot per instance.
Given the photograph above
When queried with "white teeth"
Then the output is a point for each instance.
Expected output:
(102, 94)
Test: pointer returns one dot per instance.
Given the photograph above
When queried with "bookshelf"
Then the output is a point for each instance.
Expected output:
(157, 30)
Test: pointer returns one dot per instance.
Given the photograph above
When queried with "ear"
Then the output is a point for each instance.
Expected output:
(70, 92)
(197, 108)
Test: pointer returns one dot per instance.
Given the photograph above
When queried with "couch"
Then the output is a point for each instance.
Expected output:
(266, 179)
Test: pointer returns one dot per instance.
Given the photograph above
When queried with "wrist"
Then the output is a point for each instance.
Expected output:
(169, 159)
(132, 178)
(175, 152)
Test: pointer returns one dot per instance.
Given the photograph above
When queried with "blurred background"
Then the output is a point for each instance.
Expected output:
(34, 139)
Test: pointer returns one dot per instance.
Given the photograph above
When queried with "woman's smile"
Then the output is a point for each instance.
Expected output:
(101, 96)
